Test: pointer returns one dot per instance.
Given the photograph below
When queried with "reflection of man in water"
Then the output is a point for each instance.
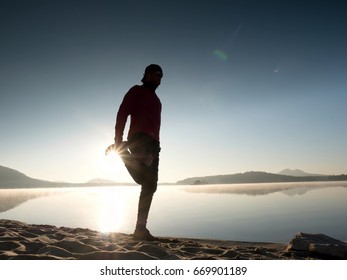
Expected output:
(141, 152)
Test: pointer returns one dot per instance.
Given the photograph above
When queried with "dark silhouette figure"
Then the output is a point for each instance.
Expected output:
(141, 152)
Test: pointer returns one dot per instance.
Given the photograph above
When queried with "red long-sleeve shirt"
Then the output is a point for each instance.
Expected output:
(144, 108)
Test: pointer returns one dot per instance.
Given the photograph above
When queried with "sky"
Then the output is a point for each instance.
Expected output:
(247, 86)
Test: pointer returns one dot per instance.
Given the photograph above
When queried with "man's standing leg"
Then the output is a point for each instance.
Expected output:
(148, 188)
(147, 152)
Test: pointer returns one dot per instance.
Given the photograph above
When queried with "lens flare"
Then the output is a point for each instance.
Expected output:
(220, 55)
(111, 167)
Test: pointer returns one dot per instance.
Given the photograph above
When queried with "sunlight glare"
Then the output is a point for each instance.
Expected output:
(111, 165)
(113, 159)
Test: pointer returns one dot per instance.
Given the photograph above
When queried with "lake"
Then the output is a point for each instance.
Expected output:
(267, 212)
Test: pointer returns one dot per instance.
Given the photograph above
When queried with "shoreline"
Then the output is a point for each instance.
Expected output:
(24, 241)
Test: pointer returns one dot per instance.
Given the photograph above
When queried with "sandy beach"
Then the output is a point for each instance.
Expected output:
(25, 241)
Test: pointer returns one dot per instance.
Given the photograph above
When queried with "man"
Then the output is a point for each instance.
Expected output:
(141, 152)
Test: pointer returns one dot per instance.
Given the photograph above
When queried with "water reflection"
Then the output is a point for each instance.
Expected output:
(111, 206)
(11, 198)
(271, 212)
(106, 209)
(289, 189)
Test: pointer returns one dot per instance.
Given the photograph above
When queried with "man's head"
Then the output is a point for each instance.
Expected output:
(153, 74)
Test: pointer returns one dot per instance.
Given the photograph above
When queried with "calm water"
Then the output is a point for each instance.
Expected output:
(248, 212)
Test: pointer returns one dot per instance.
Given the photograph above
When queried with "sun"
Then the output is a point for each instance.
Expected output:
(111, 166)
(113, 157)
(113, 160)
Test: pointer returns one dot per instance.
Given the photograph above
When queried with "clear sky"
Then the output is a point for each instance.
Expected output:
(248, 85)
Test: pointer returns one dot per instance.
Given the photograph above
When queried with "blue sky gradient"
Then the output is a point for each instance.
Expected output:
(248, 85)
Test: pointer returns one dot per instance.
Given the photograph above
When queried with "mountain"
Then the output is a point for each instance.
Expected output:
(297, 173)
(257, 177)
(10, 178)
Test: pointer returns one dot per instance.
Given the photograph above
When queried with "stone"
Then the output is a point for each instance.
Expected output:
(317, 244)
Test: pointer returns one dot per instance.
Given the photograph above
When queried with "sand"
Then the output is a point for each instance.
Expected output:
(37, 242)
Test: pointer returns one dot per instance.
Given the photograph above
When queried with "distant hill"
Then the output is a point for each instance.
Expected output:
(297, 173)
(10, 178)
(257, 177)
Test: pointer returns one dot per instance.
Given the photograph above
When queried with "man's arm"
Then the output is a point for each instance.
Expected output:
(124, 111)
